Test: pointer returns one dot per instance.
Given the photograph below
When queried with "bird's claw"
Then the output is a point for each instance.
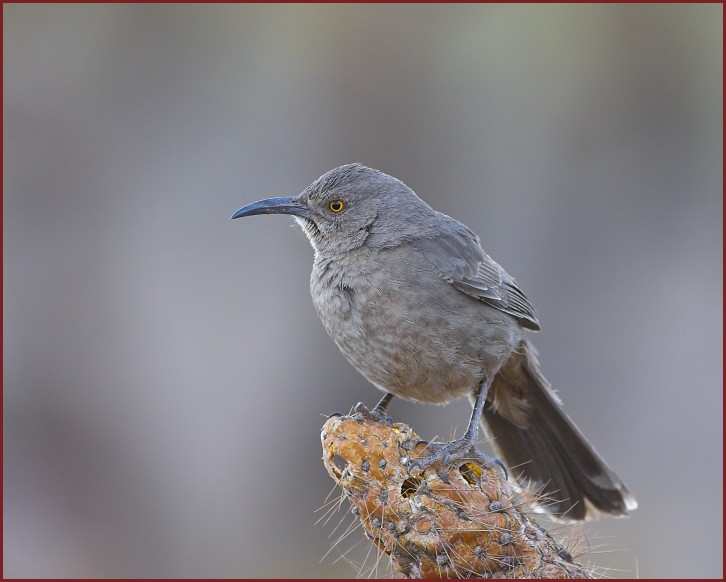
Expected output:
(361, 409)
(375, 414)
(451, 452)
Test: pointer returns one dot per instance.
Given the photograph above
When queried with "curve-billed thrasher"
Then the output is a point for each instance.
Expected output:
(418, 308)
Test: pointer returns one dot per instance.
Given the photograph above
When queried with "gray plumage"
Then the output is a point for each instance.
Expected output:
(415, 304)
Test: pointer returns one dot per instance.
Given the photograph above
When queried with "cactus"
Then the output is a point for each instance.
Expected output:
(460, 521)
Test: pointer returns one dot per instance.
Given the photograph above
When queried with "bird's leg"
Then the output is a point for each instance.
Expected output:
(378, 412)
(463, 448)
(382, 407)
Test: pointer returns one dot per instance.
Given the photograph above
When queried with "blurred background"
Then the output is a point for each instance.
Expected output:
(165, 375)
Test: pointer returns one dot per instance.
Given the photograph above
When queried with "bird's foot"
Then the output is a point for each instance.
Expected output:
(376, 414)
(380, 415)
(458, 450)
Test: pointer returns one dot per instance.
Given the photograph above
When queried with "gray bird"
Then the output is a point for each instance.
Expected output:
(415, 304)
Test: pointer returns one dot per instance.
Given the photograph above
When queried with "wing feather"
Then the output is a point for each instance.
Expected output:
(459, 258)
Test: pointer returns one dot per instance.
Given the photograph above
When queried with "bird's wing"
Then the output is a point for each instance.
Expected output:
(459, 258)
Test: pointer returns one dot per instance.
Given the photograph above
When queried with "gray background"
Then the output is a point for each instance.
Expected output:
(164, 371)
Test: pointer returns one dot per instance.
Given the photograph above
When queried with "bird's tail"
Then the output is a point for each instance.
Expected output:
(542, 447)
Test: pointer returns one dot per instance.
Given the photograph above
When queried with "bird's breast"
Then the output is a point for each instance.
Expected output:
(400, 325)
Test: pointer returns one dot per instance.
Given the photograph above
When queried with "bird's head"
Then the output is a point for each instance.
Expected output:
(351, 206)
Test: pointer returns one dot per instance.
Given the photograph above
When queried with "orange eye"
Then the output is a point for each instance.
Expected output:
(336, 206)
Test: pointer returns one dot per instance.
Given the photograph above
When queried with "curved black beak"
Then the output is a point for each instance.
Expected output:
(285, 205)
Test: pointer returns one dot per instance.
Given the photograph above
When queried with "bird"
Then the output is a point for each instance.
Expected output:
(416, 305)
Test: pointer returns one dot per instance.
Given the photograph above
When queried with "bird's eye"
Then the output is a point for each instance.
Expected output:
(336, 206)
